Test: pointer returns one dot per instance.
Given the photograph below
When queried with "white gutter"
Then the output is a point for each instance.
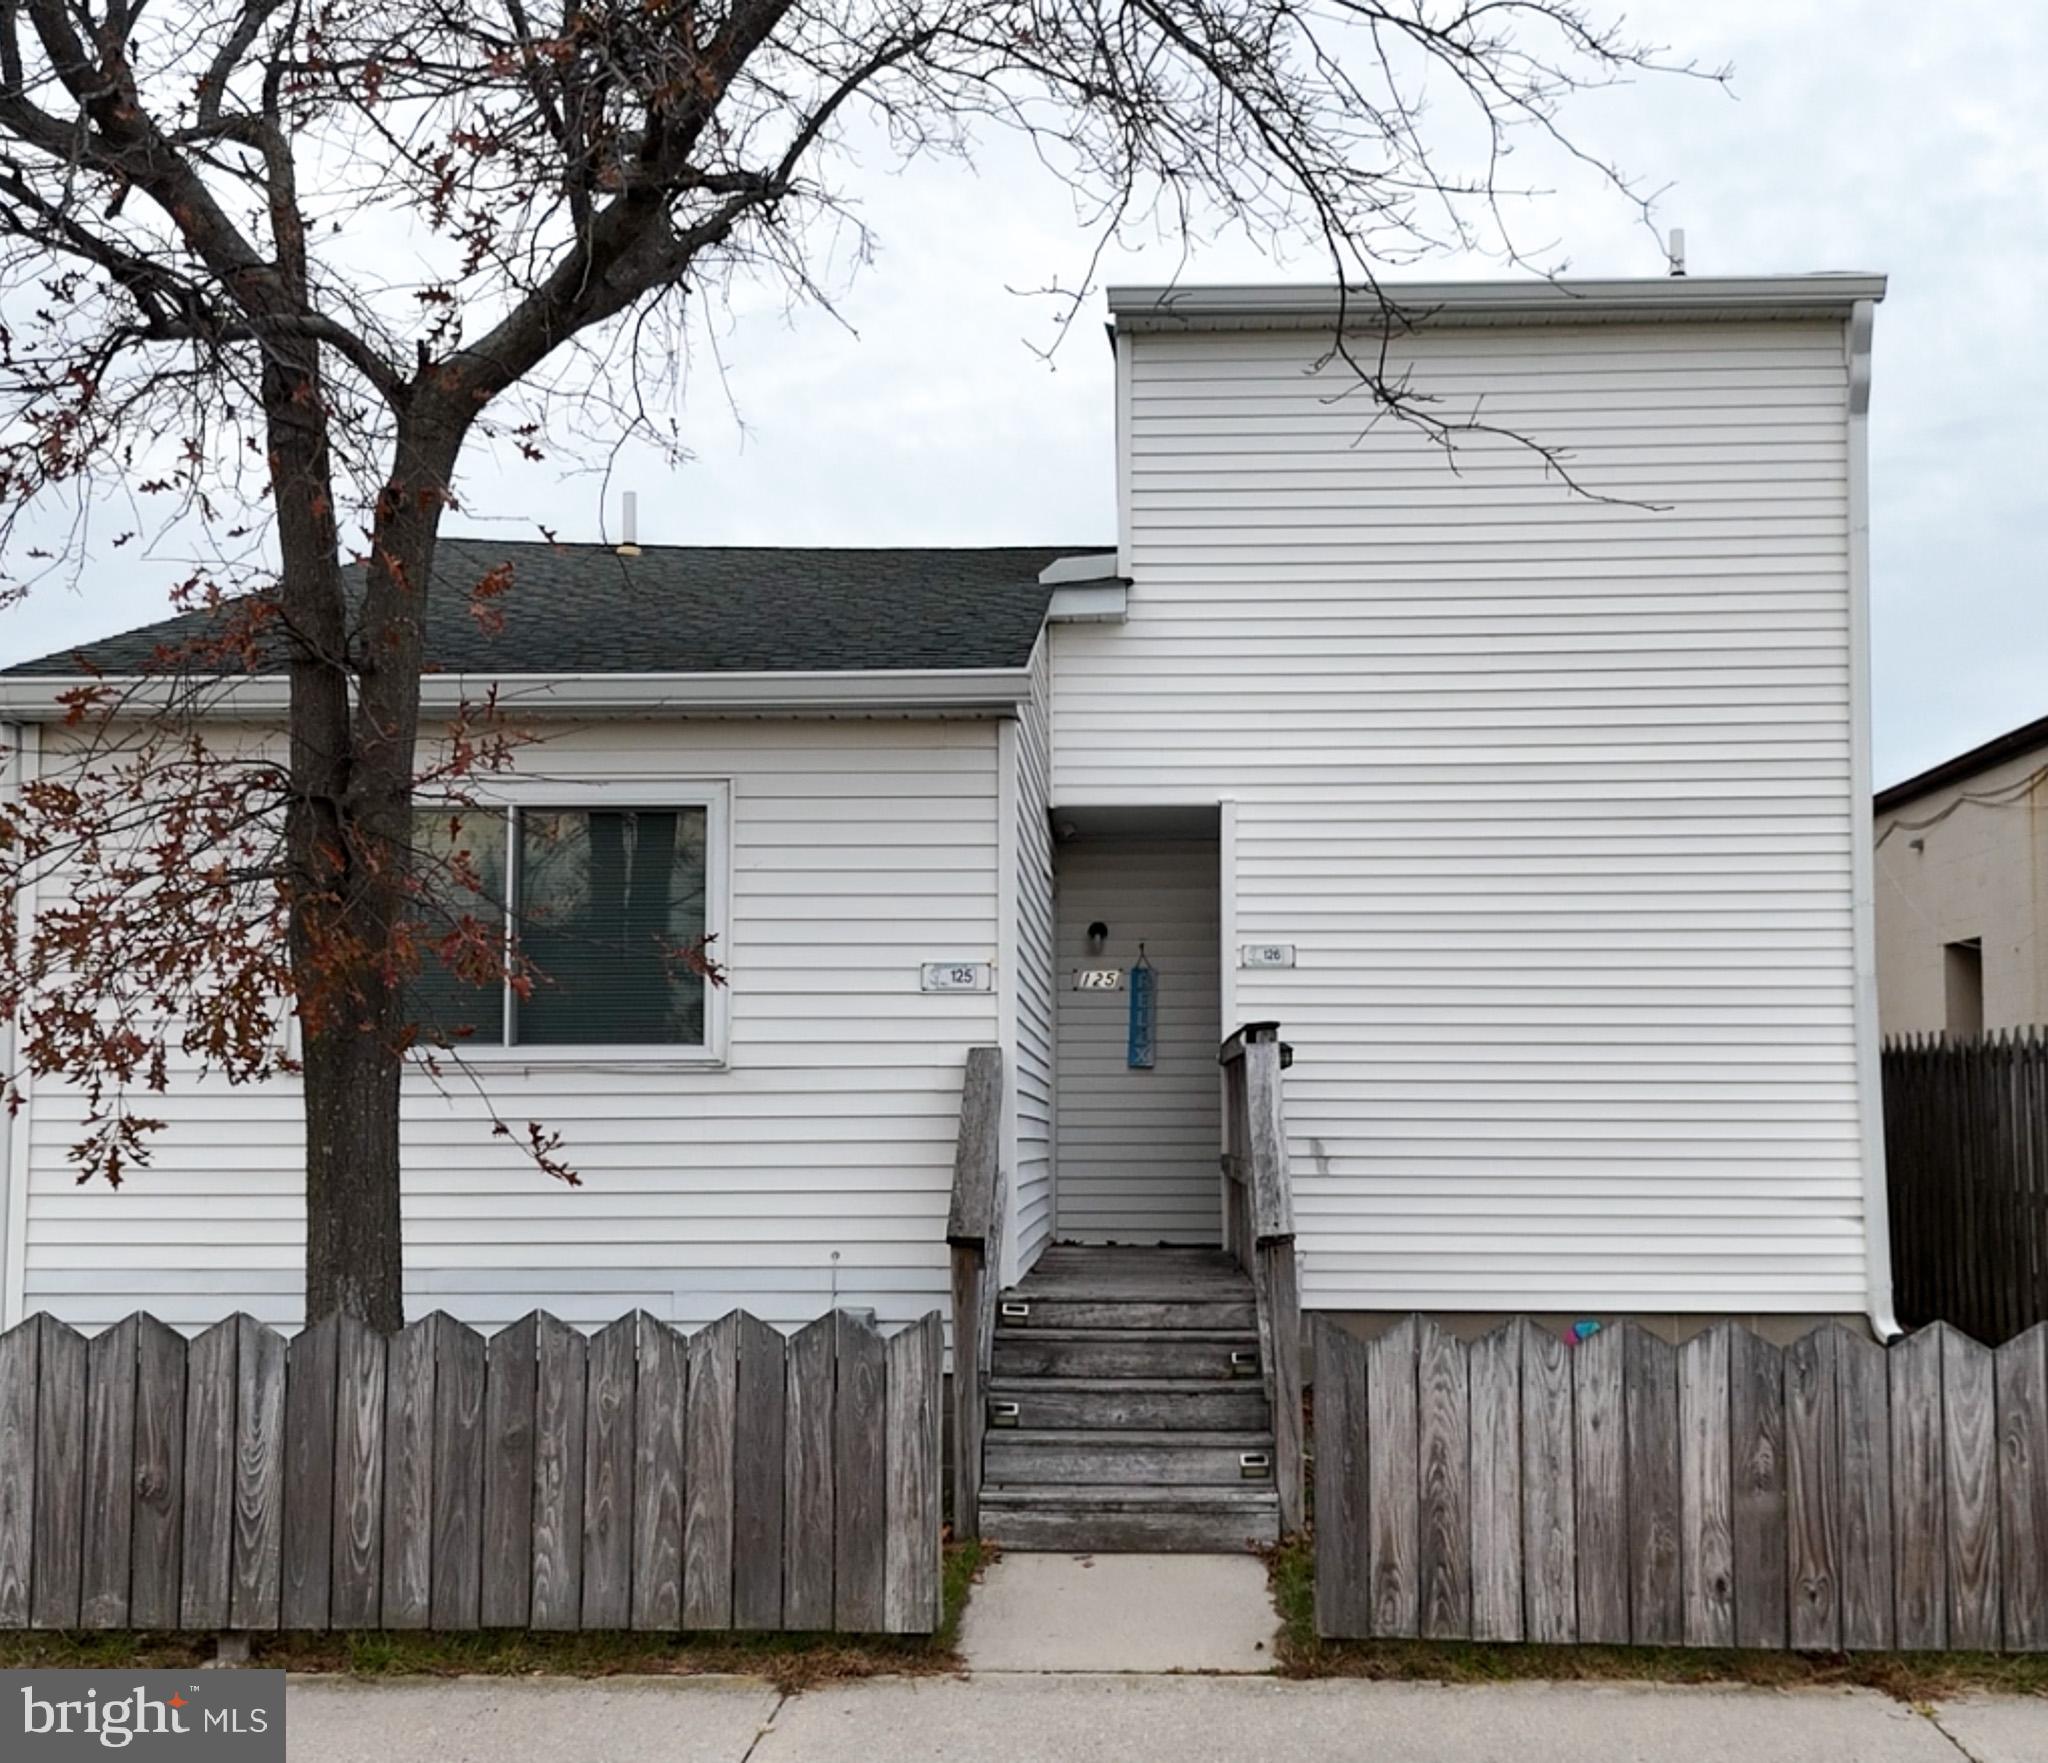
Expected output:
(1285, 306)
(984, 690)
(1877, 1225)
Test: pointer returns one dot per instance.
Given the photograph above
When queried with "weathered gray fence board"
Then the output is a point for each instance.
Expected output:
(1706, 1542)
(1393, 1500)
(1970, 1473)
(2022, 1377)
(807, 1477)
(658, 1475)
(511, 1370)
(433, 1478)
(608, 1476)
(860, 1494)
(561, 1398)
(1813, 1478)
(708, 1493)
(910, 1593)
(1443, 1443)
(1496, 1361)
(1343, 1573)
(1656, 1578)
(307, 1567)
(759, 1414)
(1549, 1525)
(1919, 1502)
(455, 1568)
(409, 1476)
(257, 1577)
(20, 1349)
(109, 1476)
(361, 1371)
(1756, 1398)
(58, 1573)
(1863, 1397)
(204, 1583)
(156, 1535)
(1601, 1513)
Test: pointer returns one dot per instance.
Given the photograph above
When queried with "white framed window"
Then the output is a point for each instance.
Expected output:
(605, 889)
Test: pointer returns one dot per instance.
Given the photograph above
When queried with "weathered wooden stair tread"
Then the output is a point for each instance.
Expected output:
(1076, 1456)
(1127, 1352)
(1121, 1496)
(1226, 1312)
(1081, 1516)
(1088, 1288)
(1196, 1403)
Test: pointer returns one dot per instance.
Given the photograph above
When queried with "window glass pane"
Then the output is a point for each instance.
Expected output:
(609, 901)
(459, 909)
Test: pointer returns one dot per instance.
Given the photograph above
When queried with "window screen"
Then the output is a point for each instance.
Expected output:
(607, 902)
(459, 868)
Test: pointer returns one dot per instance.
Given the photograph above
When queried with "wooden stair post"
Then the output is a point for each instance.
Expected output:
(974, 1226)
(1259, 1215)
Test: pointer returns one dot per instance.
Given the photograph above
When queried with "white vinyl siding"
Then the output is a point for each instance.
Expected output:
(817, 1166)
(1552, 794)
(1032, 1080)
(1138, 1148)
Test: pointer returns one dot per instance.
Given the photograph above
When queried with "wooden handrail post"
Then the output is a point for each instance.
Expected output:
(974, 1224)
(1255, 1151)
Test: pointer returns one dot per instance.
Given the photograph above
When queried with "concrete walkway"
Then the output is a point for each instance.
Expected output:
(1132, 1659)
(1121, 1613)
(1085, 1718)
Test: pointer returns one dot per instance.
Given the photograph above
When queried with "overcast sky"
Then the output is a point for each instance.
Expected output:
(1888, 136)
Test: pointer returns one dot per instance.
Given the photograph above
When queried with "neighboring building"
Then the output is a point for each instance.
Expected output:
(1962, 891)
(1535, 817)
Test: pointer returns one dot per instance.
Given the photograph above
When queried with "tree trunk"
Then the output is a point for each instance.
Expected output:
(355, 1253)
(349, 830)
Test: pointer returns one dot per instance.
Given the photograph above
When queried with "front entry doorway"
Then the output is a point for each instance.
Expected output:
(1137, 1142)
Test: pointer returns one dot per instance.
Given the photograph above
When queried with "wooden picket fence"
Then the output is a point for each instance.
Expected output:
(1966, 1172)
(635, 1478)
(1832, 1495)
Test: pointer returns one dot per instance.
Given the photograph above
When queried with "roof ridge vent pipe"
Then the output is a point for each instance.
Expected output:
(629, 525)
(1675, 250)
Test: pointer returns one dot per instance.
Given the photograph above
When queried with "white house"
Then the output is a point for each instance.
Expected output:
(1534, 811)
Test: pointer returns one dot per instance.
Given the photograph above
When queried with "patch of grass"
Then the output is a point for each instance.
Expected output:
(1909, 1677)
(789, 1661)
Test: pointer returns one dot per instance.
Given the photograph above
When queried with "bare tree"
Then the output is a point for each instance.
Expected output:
(201, 206)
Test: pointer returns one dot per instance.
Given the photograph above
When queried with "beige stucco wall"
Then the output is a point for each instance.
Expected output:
(1981, 870)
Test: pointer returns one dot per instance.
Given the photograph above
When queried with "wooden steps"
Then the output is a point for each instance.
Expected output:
(1126, 1406)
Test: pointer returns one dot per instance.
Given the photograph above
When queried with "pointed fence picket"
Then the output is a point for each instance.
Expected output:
(1829, 1495)
(434, 1479)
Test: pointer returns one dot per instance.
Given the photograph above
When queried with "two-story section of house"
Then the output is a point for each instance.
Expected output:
(1507, 747)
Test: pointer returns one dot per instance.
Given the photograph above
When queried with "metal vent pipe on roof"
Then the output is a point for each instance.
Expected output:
(629, 524)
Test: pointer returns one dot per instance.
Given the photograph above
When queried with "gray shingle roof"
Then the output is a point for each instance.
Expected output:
(698, 609)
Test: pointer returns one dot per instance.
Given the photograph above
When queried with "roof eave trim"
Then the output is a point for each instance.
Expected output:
(35, 698)
(1156, 308)
(2016, 743)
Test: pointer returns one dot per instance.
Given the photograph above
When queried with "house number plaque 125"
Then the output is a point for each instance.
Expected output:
(956, 976)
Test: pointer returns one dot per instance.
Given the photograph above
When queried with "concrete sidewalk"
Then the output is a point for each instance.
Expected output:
(1057, 1718)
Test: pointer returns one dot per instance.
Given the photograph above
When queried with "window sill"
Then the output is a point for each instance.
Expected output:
(562, 1058)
